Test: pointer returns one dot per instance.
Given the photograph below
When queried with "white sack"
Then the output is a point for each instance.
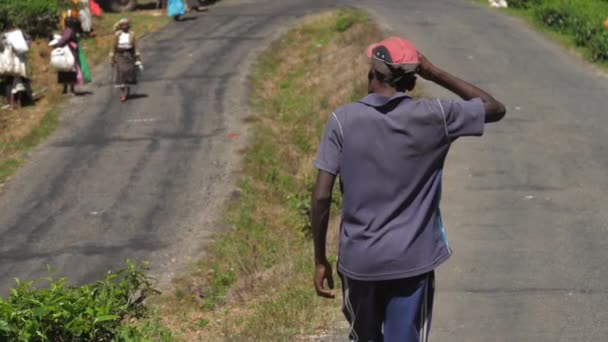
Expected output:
(62, 59)
(17, 41)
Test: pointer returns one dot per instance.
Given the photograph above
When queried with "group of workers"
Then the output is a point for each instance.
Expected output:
(124, 57)
(14, 45)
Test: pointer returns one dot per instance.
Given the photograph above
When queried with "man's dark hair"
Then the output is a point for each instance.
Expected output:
(400, 81)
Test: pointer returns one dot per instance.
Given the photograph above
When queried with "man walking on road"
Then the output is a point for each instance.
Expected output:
(389, 151)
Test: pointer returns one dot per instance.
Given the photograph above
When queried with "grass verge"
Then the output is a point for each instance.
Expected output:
(255, 284)
(23, 129)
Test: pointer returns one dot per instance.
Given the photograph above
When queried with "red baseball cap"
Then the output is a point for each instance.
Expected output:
(394, 53)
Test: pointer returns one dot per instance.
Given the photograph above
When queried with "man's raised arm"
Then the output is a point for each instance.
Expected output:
(494, 109)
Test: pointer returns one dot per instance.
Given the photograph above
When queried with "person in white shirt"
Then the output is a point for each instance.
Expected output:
(125, 58)
(18, 89)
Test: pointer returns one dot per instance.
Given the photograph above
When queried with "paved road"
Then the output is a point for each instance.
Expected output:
(523, 204)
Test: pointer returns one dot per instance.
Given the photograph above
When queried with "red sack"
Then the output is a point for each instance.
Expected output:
(95, 8)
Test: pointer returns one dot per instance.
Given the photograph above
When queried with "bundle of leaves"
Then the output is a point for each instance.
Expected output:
(68, 313)
(36, 17)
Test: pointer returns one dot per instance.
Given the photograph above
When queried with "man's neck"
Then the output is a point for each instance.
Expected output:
(385, 91)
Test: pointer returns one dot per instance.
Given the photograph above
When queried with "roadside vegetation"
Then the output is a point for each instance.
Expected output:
(578, 24)
(36, 17)
(47, 309)
(23, 129)
(53, 311)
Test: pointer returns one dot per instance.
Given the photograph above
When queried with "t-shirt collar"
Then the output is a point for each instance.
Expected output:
(376, 100)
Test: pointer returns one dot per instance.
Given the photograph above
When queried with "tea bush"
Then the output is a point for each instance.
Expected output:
(555, 16)
(524, 3)
(582, 19)
(68, 313)
(36, 17)
(598, 47)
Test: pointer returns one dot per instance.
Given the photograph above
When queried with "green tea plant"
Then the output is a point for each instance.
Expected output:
(524, 3)
(582, 19)
(36, 17)
(61, 312)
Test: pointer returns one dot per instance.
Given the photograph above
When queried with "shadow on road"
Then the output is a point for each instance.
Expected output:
(149, 6)
(186, 19)
(163, 4)
(137, 96)
(83, 93)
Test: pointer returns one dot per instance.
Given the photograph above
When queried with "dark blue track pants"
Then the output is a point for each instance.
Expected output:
(391, 310)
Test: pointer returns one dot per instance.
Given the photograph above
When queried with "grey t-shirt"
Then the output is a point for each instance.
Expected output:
(390, 153)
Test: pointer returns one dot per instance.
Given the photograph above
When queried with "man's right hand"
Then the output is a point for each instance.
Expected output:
(426, 69)
(494, 110)
(322, 273)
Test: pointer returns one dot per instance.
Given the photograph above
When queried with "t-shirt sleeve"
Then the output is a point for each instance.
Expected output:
(463, 118)
(329, 155)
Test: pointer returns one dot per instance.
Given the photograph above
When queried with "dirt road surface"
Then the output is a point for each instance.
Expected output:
(524, 205)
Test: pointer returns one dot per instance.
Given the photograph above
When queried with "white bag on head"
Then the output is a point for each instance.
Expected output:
(17, 41)
(62, 59)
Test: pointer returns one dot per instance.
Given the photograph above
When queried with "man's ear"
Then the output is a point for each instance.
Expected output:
(412, 84)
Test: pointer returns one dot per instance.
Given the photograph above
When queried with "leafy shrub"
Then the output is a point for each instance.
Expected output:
(582, 19)
(524, 3)
(66, 313)
(554, 16)
(35, 17)
(598, 47)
